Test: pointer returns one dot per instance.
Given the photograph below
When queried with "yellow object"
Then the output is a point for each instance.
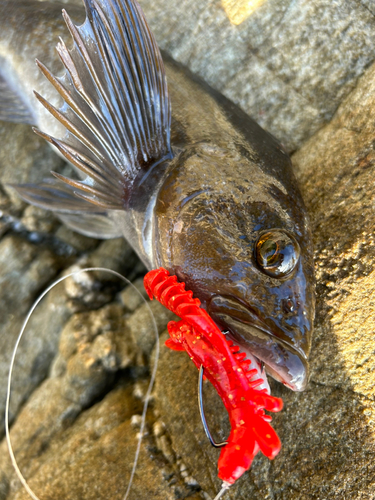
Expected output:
(239, 10)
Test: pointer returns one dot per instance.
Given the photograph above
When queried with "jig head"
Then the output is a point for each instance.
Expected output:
(227, 370)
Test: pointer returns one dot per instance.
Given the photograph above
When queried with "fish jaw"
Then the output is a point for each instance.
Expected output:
(284, 362)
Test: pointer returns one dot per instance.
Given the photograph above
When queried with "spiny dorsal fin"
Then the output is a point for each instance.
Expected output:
(116, 107)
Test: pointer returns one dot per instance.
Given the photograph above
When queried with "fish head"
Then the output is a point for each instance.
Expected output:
(236, 232)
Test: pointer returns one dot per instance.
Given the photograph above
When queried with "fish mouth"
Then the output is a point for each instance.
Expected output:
(283, 362)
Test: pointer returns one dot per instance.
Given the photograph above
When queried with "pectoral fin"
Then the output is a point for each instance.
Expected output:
(116, 110)
(52, 194)
(75, 212)
(12, 107)
(94, 225)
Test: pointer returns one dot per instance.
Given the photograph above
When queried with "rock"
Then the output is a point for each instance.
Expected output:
(177, 403)
(77, 398)
(24, 157)
(101, 445)
(39, 220)
(24, 270)
(4, 485)
(114, 254)
(83, 289)
(141, 324)
(78, 241)
(288, 65)
(341, 198)
(78, 432)
(95, 288)
(132, 298)
(98, 336)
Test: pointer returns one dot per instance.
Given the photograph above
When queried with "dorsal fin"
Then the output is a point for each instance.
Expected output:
(116, 107)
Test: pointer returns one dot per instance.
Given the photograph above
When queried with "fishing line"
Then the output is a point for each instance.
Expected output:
(224, 488)
(11, 366)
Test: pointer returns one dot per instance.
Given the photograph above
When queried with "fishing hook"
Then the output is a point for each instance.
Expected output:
(201, 410)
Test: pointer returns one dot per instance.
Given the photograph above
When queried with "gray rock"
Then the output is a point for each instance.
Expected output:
(142, 327)
(93, 289)
(78, 241)
(287, 64)
(36, 219)
(130, 298)
(62, 435)
(24, 157)
(24, 270)
(114, 254)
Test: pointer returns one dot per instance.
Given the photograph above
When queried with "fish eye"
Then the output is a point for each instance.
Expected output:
(277, 253)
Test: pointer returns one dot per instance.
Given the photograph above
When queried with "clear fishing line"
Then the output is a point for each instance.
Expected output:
(11, 366)
(224, 488)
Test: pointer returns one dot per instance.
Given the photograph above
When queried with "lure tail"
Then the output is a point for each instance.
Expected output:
(226, 369)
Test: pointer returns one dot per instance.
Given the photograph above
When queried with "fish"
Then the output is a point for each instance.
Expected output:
(191, 181)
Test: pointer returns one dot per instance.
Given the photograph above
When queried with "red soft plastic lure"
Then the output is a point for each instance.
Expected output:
(226, 369)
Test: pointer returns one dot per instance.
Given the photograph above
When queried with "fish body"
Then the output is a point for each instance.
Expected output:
(202, 191)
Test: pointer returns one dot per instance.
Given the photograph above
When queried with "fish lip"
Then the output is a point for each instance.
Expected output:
(284, 362)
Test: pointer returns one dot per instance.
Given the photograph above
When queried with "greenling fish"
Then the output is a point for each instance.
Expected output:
(193, 183)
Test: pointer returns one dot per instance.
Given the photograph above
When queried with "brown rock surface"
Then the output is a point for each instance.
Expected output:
(77, 434)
